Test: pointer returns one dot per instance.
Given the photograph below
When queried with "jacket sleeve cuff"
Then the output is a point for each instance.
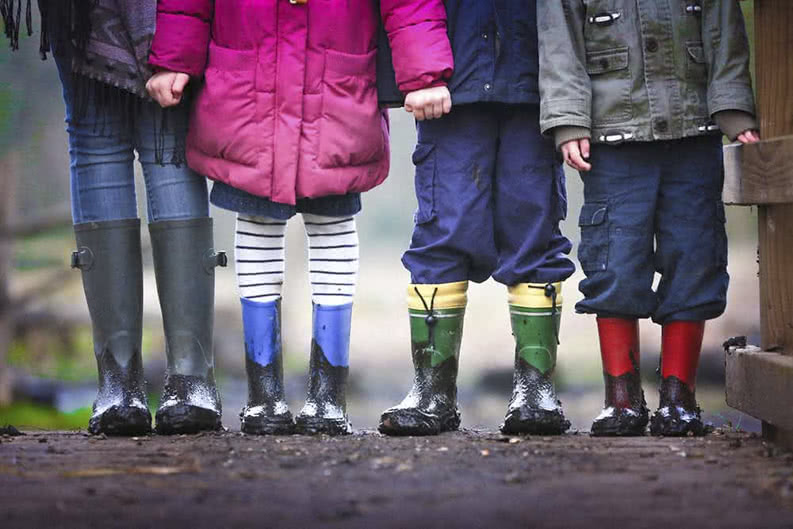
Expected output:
(731, 96)
(565, 133)
(734, 122)
(564, 113)
(181, 44)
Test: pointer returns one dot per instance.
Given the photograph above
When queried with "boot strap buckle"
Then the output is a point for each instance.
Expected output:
(214, 259)
(83, 258)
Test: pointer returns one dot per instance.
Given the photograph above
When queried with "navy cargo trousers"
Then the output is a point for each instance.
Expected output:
(491, 194)
(654, 207)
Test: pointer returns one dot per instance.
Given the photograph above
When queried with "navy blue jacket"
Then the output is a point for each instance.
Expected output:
(495, 53)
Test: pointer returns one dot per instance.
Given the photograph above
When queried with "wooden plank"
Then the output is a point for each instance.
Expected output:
(759, 383)
(759, 174)
(774, 40)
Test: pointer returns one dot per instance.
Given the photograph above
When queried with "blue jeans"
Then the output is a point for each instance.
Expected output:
(654, 207)
(491, 194)
(102, 152)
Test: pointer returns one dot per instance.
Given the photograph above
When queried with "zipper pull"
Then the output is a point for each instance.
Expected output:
(604, 19)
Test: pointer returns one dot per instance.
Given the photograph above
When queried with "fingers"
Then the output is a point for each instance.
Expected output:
(429, 103)
(572, 156)
(179, 84)
(584, 143)
(749, 136)
(437, 109)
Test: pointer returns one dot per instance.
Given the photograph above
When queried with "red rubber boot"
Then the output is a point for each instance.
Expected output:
(625, 412)
(678, 413)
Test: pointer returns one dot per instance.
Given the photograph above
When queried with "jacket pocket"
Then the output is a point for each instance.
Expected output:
(229, 93)
(351, 124)
(696, 81)
(424, 160)
(610, 74)
(593, 250)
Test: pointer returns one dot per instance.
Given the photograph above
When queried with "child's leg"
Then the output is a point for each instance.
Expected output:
(616, 253)
(691, 255)
(259, 251)
(333, 270)
(453, 242)
(529, 202)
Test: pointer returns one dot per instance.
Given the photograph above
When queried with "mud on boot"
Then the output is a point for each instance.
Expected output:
(189, 405)
(109, 256)
(625, 413)
(325, 410)
(121, 406)
(535, 315)
(436, 326)
(266, 412)
(534, 408)
(678, 414)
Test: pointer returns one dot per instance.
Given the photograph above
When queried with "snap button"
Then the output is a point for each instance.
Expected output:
(488, 87)
(652, 45)
(662, 125)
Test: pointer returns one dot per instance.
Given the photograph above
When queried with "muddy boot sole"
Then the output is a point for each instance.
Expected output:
(675, 427)
(535, 422)
(620, 426)
(126, 421)
(413, 422)
(267, 424)
(186, 419)
(307, 425)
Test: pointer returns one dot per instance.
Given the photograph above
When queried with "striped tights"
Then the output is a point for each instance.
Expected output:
(332, 258)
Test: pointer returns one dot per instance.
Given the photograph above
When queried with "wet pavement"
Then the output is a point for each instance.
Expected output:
(463, 479)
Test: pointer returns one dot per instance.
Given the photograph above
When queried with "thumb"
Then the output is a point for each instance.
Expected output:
(179, 84)
(585, 148)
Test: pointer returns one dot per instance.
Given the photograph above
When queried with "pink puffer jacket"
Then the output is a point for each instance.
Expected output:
(288, 104)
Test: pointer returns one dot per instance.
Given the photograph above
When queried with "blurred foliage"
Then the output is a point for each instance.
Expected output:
(28, 415)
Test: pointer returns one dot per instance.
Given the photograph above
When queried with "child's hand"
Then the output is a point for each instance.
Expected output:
(749, 136)
(167, 87)
(576, 154)
(429, 103)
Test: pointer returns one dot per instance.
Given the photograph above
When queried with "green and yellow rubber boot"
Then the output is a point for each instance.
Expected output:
(436, 327)
(535, 312)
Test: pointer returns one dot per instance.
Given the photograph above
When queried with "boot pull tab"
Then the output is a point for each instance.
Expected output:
(214, 259)
(83, 259)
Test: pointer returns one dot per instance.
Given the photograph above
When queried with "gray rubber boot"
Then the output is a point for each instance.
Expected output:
(109, 256)
(184, 264)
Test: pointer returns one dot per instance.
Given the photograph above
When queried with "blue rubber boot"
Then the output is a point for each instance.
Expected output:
(325, 410)
(266, 412)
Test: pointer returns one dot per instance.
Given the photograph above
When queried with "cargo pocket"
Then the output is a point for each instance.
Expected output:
(721, 235)
(424, 160)
(351, 126)
(609, 71)
(593, 251)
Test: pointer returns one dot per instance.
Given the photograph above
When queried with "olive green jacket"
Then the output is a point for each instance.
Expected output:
(642, 70)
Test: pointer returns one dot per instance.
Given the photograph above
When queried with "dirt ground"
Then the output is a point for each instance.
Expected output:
(470, 479)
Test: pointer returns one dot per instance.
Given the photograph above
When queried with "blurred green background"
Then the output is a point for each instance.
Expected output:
(47, 370)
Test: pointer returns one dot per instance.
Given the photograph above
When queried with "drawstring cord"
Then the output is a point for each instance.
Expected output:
(431, 320)
(550, 292)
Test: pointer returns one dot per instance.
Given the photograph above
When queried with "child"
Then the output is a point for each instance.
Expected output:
(110, 118)
(287, 121)
(491, 195)
(644, 82)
